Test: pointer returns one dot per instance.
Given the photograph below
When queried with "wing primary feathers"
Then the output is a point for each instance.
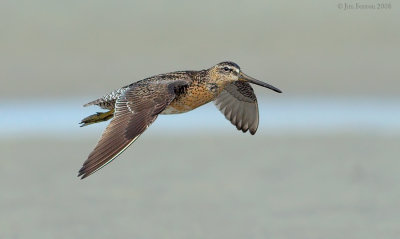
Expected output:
(239, 105)
(136, 109)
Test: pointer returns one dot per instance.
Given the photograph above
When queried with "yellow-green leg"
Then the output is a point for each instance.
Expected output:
(98, 117)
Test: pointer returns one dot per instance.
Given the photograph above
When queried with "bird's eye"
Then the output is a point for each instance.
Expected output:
(226, 69)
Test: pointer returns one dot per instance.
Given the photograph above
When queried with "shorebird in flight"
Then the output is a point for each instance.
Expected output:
(134, 107)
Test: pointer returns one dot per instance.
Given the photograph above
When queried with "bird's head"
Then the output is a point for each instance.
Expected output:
(228, 72)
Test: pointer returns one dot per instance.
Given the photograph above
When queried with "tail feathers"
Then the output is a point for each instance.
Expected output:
(98, 117)
(94, 102)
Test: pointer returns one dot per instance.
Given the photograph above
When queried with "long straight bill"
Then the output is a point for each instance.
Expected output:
(250, 79)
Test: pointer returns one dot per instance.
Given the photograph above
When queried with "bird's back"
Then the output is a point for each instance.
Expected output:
(108, 101)
(135, 107)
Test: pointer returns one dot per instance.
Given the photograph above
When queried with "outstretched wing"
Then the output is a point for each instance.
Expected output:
(135, 110)
(239, 105)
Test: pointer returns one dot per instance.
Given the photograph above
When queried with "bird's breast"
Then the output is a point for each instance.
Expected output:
(195, 95)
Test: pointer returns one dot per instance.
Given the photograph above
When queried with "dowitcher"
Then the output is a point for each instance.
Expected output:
(134, 107)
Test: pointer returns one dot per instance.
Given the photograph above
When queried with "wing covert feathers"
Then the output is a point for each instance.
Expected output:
(135, 110)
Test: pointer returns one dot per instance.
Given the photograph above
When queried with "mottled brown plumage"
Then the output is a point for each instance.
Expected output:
(137, 105)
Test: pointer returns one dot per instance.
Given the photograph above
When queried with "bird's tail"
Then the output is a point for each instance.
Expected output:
(98, 117)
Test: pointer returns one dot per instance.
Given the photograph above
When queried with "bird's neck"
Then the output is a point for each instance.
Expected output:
(209, 76)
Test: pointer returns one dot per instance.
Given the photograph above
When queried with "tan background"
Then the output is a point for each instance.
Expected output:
(312, 183)
(304, 47)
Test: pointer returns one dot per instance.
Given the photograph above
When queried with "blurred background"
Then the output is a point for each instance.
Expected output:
(323, 164)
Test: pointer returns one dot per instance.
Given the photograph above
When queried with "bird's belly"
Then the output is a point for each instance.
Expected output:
(193, 98)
